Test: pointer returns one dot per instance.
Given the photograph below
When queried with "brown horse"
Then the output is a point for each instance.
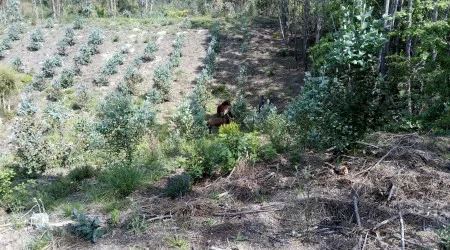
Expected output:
(224, 109)
(217, 121)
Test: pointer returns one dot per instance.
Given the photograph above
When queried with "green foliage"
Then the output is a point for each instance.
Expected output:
(179, 42)
(178, 185)
(115, 38)
(83, 172)
(31, 147)
(132, 79)
(100, 80)
(59, 189)
(5, 43)
(62, 47)
(81, 95)
(268, 153)
(239, 109)
(37, 39)
(84, 55)
(276, 126)
(13, 11)
(338, 107)
(444, 235)
(190, 119)
(66, 79)
(78, 24)
(240, 144)
(49, 23)
(162, 80)
(27, 107)
(17, 64)
(38, 83)
(48, 68)
(149, 52)
(14, 31)
(122, 123)
(69, 36)
(88, 228)
(154, 96)
(15, 196)
(120, 180)
(110, 68)
(174, 59)
(96, 37)
(114, 220)
(8, 80)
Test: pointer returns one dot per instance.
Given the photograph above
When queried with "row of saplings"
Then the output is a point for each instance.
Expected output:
(214, 153)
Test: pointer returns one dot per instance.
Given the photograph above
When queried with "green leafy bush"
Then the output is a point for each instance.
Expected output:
(62, 47)
(27, 107)
(154, 96)
(162, 80)
(5, 43)
(120, 180)
(444, 235)
(178, 185)
(78, 24)
(67, 78)
(96, 37)
(69, 36)
(81, 95)
(88, 228)
(149, 52)
(14, 31)
(48, 68)
(240, 144)
(174, 59)
(17, 64)
(132, 78)
(59, 189)
(100, 80)
(49, 23)
(37, 39)
(84, 55)
(239, 109)
(110, 68)
(179, 42)
(122, 123)
(39, 82)
(83, 172)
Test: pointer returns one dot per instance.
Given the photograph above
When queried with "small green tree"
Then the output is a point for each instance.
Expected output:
(123, 123)
(8, 80)
(162, 80)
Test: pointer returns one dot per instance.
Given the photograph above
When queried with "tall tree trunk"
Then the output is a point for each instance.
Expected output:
(36, 10)
(283, 18)
(435, 17)
(408, 56)
(319, 21)
(54, 9)
(383, 51)
(306, 9)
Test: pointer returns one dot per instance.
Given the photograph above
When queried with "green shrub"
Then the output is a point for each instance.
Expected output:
(444, 235)
(88, 228)
(37, 39)
(81, 95)
(60, 188)
(5, 43)
(162, 80)
(239, 109)
(154, 96)
(268, 153)
(149, 52)
(69, 36)
(17, 64)
(49, 23)
(62, 47)
(100, 80)
(179, 42)
(178, 185)
(48, 68)
(174, 59)
(78, 24)
(14, 31)
(121, 180)
(83, 172)
(27, 107)
(240, 144)
(96, 37)
(110, 68)
(84, 55)
(115, 38)
(67, 78)
(132, 78)
(39, 82)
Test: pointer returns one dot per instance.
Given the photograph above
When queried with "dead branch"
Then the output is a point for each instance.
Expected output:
(402, 230)
(365, 240)
(410, 242)
(247, 212)
(391, 193)
(355, 206)
(161, 217)
(378, 162)
(367, 144)
(384, 222)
